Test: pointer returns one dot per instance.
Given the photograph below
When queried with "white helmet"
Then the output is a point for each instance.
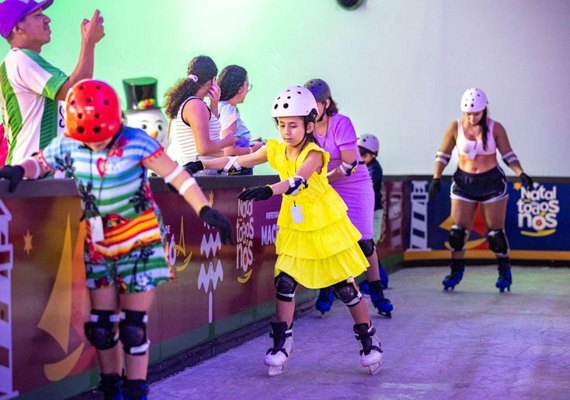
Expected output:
(473, 100)
(295, 101)
(369, 142)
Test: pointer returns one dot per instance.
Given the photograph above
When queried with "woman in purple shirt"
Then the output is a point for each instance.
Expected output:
(335, 134)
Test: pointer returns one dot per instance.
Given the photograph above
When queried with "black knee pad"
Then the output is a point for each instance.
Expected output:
(99, 330)
(347, 292)
(132, 332)
(457, 237)
(285, 286)
(367, 247)
(498, 242)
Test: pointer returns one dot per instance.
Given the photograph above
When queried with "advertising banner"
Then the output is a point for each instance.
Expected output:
(537, 223)
(215, 288)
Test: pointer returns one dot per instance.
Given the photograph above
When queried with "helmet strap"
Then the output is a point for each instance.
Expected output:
(301, 144)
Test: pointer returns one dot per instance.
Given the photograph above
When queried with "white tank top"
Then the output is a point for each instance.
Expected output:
(182, 147)
(473, 148)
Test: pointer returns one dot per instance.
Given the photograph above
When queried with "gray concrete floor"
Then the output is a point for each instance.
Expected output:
(471, 343)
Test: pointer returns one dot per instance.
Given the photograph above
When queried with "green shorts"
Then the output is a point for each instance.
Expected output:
(140, 270)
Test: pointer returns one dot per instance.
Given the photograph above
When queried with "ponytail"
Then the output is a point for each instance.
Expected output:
(200, 70)
(176, 95)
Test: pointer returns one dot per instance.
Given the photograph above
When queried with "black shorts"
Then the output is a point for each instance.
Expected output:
(479, 188)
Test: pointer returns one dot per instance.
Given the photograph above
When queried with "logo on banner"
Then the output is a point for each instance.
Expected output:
(269, 232)
(538, 210)
(211, 271)
(244, 249)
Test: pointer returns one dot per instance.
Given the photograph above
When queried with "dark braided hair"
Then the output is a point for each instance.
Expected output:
(204, 68)
(231, 79)
(484, 128)
(310, 118)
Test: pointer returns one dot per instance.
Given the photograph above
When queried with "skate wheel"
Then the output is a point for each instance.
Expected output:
(374, 368)
(274, 370)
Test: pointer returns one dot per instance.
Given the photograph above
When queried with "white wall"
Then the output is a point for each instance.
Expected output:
(396, 67)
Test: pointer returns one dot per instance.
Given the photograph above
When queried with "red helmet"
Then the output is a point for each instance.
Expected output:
(93, 111)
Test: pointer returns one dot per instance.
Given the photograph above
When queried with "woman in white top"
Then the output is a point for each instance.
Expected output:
(194, 128)
(234, 86)
(478, 180)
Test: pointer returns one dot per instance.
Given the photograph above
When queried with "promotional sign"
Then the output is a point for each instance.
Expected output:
(215, 288)
(537, 223)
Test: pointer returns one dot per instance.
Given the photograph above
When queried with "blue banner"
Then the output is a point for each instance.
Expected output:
(536, 219)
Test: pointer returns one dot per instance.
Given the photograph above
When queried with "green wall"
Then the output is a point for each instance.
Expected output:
(397, 68)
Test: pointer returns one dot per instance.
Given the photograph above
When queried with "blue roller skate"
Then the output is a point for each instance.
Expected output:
(325, 300)
(111, 385)
(365, 285)
(453, 279)
(136, 390)
(382, 304)
(505, 279)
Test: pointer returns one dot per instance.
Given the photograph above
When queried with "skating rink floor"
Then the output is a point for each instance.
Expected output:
(470, 343)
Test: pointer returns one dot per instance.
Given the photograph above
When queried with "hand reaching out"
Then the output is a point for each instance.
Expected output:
(256, 193)
(216, 219)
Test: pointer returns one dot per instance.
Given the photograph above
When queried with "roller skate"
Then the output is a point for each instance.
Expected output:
(136, 390)
(325, 300)
(111, 385)
(453, 279)
(505, 279)
(365, 285)
(381, 303)
(277, 356)
(371, 352)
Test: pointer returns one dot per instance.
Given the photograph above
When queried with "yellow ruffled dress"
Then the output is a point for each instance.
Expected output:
(322, 249)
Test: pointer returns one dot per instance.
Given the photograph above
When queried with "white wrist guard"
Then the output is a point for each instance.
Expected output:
(509, 157)
(348, 169)
(186, 185)
(37, 166)
(171, 176)
(442, 157)
(232, 165)
(296, 184)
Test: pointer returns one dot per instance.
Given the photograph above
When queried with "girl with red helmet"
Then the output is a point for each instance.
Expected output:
(124, 250)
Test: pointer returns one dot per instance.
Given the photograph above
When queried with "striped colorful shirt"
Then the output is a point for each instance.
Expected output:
(113, 184)
(30, 111)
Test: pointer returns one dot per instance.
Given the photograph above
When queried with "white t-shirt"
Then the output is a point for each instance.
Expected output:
(32, 116)
(230, 114)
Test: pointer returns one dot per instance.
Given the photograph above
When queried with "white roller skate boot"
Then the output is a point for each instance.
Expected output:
(277, 356)
(371, 352)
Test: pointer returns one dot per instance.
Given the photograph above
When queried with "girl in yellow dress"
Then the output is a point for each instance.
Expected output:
(317, 246)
